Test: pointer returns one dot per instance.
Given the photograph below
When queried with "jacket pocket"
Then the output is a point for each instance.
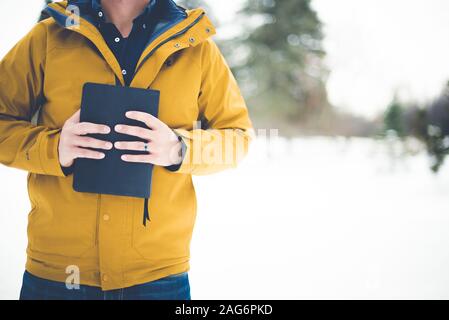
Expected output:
(63, 222)
(166, 236)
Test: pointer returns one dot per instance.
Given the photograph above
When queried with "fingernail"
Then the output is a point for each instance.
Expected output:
(106, 130)
(102, 156)
(117, 127)
(109, 145)
(117, 144)
(124, 157)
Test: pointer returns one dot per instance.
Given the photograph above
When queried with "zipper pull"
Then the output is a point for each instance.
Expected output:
(146, 213)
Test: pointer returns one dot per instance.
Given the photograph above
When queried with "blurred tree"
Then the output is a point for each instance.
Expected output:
(415, 121)
(278, 60)
(430, 125)
(393, 119)
(437, 139)
(191, 4)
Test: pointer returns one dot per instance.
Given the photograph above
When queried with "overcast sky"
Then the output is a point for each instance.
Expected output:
(375, 47)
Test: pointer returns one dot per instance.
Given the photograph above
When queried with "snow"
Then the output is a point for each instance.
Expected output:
(298, 219)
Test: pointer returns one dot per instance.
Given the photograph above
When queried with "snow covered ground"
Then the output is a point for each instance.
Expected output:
(306, 218)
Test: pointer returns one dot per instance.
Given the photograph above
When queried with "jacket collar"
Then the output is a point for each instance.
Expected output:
(176, 29)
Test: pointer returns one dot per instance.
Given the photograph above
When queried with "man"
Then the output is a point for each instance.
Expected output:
(99, 240)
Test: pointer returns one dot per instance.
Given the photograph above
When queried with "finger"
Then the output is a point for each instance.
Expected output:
(132, 145)
(86, 153)
(83, 128)
(88, 142)
(145, 158)
(149, 120)
(143, 133)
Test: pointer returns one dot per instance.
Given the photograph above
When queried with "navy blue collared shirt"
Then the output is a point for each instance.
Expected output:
(127, 50)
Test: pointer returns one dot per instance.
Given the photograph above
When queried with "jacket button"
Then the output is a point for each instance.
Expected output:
(105, 278)
(192, 40)
(177, 45)
(106, 217)
(207, 30)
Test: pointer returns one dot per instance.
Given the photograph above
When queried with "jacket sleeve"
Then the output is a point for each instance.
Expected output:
(24, 145)
(225, 134)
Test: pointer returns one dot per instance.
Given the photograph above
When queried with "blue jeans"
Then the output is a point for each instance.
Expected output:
(174, 287)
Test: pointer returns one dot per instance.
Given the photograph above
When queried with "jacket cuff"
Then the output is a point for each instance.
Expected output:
(48, 153)
(176, 167)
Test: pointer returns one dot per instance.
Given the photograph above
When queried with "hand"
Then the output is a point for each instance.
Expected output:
(163, 143)
(72, 142)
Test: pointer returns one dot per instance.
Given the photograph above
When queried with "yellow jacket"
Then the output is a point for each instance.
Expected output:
(101, 234)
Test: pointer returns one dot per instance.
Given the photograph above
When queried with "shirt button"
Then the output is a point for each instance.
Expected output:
(105, 277)
(117, 39)
(144, 26)
(124, 72)
(100, 14)
(106, 217)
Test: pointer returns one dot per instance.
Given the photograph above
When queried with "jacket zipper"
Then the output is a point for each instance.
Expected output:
(176, 35)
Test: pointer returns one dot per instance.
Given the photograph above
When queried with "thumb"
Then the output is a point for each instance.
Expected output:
(75, 118)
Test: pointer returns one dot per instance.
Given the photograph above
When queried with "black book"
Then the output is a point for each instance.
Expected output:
(107, 105)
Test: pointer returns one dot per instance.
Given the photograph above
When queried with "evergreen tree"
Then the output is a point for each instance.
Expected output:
(393, 119)
(279, 60)
(191, 4)
(437, 139)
